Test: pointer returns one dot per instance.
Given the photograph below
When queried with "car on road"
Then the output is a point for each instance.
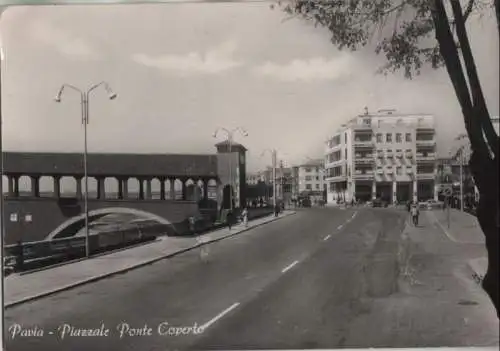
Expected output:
(379, 203)
(432, 204)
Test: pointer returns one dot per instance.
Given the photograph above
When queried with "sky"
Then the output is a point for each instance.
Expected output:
(183, 70)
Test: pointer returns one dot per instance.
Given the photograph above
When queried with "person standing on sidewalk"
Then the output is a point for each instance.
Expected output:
(244, 215)
(229, 219)
(414, 214)
(276, 209)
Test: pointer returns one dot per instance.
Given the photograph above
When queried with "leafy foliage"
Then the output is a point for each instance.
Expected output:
(407, 46)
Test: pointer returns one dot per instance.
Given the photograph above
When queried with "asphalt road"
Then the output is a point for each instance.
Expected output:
(323, 278)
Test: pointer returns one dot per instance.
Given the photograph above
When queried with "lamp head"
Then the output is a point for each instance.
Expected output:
(113, 96)
(57, 98)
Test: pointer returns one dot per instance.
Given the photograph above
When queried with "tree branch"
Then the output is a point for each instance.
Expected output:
(497, 11)
(451, 58)
(468, 10)
(480, 107)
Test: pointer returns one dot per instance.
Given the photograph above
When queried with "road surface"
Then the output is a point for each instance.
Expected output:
(323, 278)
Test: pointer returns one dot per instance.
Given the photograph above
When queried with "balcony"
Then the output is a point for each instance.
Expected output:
(399, 154)
(364, 127)
(364, 158)
(333, 162)
(389, 171)
(425, 142)
(380, 171)
(425, 175)
(389, 154)
(427, 128)
(429, 157)
(363, 143)
(363, 174)
(409, 171)
(409, 155)
(336, 177)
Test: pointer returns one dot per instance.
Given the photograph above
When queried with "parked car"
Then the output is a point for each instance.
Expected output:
(433, 204)
(379, 203)
(306, 203)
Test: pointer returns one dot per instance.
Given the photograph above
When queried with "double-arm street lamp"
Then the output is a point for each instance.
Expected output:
(230, 139)
(84, 101)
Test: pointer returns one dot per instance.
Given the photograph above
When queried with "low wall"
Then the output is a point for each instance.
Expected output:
(46, 214)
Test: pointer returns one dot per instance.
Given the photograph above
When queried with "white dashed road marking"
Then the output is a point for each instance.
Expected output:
(340, 226)
(289, 267)
(326, 237)
(354, 215)
(219, 316)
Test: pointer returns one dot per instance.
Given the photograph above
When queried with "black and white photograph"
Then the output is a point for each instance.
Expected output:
(249, 175)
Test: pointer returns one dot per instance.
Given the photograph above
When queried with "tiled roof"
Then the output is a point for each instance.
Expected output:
(31, 163)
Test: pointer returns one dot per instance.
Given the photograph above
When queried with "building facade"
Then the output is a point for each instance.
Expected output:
(385, 155)
(255, 178)
(309, 179)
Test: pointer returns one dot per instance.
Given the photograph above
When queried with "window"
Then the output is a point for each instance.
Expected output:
(345, 138)
(317, 186)
(399, 138)
(388, 137)
(367, 121)
(308, 178)
(308, 170)
(308, 186)
(379, 138)
(399, 171)
(408, 137)
(317, 169)
(345, 154)
(317, 178)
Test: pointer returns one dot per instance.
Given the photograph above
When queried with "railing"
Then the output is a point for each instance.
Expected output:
(429, 157)
(426, 142)
(364, 142)
(363, 175)
(425, 175)
(34, 254)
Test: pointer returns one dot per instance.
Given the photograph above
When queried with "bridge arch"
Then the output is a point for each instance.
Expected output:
(78, 222)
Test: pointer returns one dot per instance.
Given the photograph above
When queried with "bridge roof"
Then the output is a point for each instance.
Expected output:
(100, 164)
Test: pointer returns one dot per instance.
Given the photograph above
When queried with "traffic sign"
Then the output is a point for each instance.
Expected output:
(447, 191)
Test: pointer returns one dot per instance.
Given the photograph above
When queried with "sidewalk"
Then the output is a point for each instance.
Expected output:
(23, 288)
(464, 229)
(438, 298)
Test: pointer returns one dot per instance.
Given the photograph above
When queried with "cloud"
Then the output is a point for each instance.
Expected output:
(214, 61)
(63, 40)
(314, 69)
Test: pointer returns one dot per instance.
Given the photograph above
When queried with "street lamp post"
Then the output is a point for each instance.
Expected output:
(230, 139)
(273, 160)
(84, 101)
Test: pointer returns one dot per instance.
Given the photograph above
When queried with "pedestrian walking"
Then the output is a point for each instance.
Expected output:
(276, 210)
(229, 219)
(414, 214)
(244, 215)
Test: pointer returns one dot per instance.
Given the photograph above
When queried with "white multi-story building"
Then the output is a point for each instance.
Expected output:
(254, 178)
(310, 178)
(384, 155)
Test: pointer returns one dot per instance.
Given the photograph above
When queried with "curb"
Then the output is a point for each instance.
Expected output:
(127, 269)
